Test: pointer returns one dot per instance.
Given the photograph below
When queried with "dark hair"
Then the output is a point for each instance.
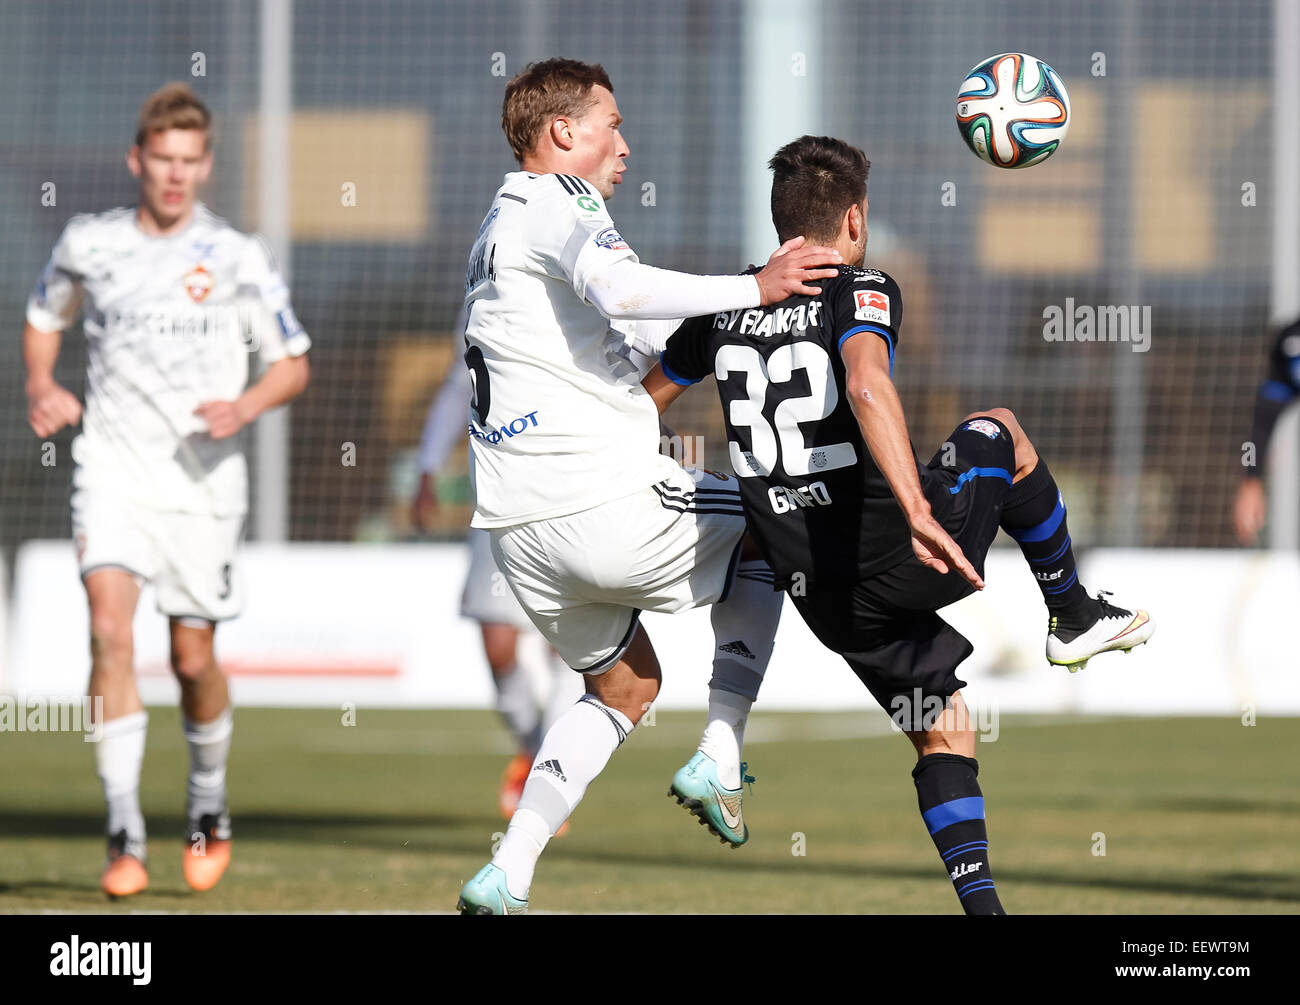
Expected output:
(540, 92)
(816, 179)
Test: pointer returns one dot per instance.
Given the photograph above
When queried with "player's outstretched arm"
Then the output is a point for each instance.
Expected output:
(628, 290)
(879, 412)
(50, 406)
(283, 381)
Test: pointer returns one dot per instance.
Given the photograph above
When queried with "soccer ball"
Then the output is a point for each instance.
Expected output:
(1013, 110)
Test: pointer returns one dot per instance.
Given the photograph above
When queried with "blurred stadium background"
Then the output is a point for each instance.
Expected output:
(1178, 188)
(1143, 205)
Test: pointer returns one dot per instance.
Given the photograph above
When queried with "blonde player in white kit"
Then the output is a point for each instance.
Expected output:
(175, 302)
(590, 523)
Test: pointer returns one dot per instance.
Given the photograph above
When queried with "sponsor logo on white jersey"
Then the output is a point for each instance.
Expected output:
(511, 429)
(610, 238)
(198, 283)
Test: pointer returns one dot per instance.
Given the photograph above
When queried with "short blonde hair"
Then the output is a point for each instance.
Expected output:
(173, 106)
(541, 92)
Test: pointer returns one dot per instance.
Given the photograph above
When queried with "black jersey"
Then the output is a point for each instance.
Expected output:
(814, 498)
(1280, 387)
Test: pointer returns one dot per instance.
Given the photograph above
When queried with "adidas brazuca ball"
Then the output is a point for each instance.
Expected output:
(1012, 110)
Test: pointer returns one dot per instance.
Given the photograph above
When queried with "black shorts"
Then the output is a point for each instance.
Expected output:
(885, 626)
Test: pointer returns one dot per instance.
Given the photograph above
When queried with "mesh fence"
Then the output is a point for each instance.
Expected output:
(1158, 201)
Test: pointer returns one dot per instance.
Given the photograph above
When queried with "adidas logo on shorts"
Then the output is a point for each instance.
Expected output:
(737, 648)
(553, 766)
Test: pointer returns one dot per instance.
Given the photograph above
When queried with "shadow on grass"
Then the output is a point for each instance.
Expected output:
(1237, 886)
(86, 888)
(257, 825)
(426, 834)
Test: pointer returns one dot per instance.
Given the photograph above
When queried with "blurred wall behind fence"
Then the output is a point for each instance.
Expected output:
(1162, 197)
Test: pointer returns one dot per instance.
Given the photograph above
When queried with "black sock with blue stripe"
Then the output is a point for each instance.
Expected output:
(952, 807)
(1034, 514)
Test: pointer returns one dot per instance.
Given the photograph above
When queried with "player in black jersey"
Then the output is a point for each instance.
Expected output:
(867, 541)
(1280, 388)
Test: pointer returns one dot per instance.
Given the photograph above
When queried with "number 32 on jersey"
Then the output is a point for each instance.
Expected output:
(781, 441)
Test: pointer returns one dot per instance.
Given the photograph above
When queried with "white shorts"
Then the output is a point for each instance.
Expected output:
(487, 597)
(189, 557)
(585, 578)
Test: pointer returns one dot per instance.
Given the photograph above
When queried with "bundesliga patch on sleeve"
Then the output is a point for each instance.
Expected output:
(989, 429)
(871, 305)
(611, 239)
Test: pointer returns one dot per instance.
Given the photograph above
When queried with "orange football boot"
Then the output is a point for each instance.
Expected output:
(124, 874)
(207, 853)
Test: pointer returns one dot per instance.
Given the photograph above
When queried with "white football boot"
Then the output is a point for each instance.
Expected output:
(1115, 628)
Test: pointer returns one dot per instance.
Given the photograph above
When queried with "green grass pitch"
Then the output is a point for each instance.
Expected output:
(395, 812)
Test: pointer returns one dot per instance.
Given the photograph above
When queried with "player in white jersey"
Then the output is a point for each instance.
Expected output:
(590, 523)
(175, 302)
(514, 650)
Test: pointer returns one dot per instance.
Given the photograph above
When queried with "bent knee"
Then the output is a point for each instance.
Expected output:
(1003, 415)
(641, 701)
(631, 697)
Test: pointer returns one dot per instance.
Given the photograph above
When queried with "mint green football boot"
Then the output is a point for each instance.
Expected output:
(486, 893)
(696, 787)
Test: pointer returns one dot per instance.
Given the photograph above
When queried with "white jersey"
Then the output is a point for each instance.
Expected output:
(170, 323)
(645, 341)
(559, 422)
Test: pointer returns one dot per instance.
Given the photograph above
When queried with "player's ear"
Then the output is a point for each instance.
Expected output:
(133, 161)
(848, 225)
(562, 133)
(205, 166)
(855, 223)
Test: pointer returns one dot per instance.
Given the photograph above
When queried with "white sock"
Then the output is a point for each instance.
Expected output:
(119, 753)
(744, 632)
(209, 744)
(724, 736)
(518, 707)
(575, 750)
